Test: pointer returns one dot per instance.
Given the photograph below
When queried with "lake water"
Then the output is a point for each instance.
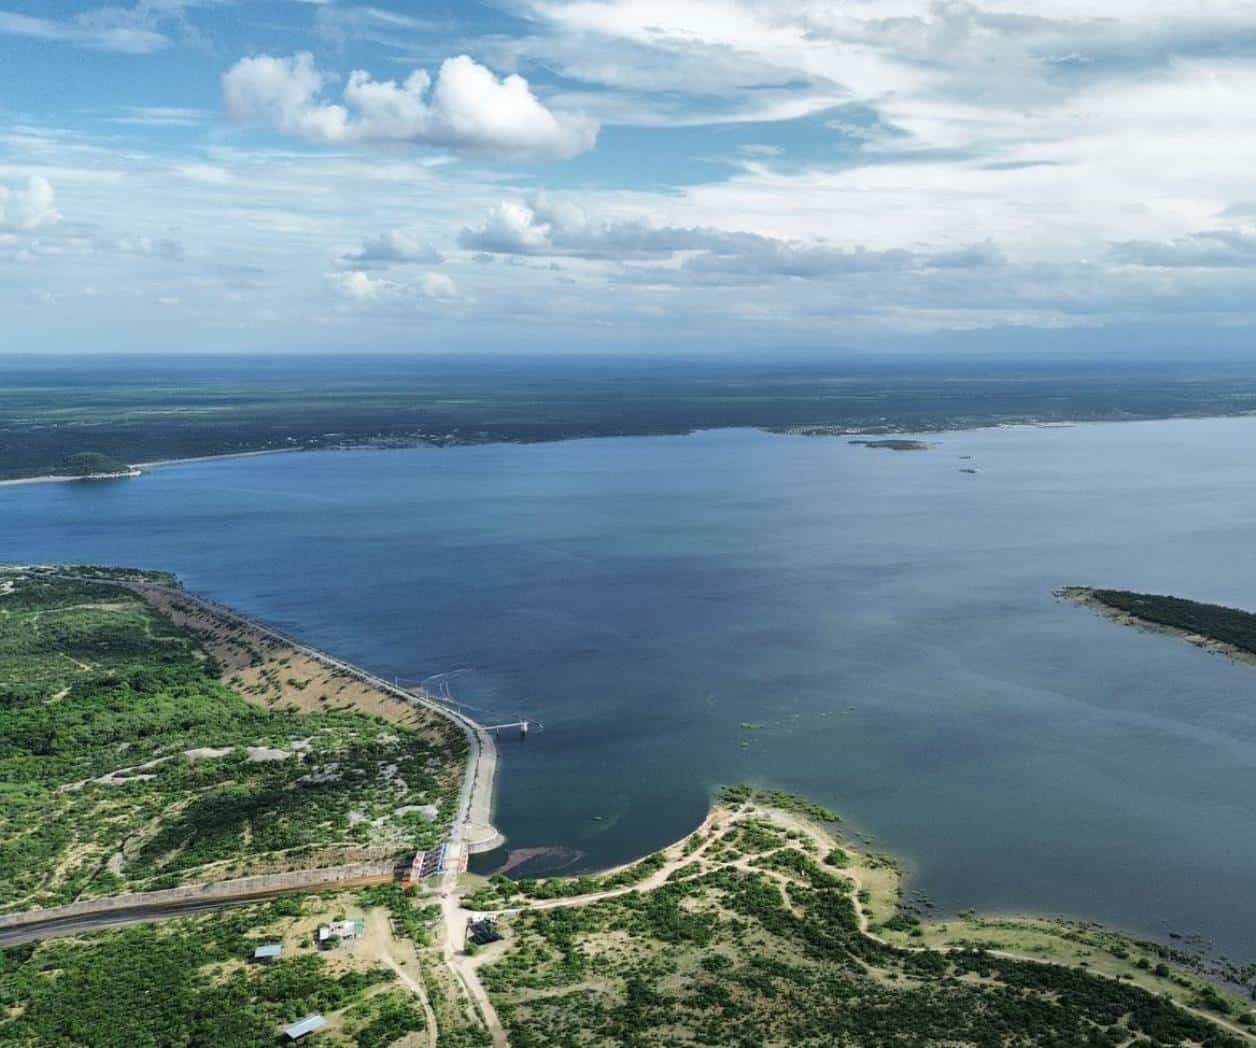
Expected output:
(874, 629)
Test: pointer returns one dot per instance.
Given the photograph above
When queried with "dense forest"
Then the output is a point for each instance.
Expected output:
(140, 409)
(1225, 625)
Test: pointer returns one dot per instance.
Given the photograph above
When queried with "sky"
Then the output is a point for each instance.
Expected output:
(696, 176)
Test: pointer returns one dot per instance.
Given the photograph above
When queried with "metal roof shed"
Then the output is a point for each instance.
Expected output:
(269, 951)
(302, 1029)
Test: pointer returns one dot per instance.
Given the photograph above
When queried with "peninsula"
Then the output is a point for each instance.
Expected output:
(1213, 627)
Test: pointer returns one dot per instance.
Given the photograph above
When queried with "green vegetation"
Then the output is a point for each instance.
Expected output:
(780, 799)
(407, 921)
(753, 941)
(192, 982)
(88, 463)
(125, 763)
(1216, 623)
(144, 409)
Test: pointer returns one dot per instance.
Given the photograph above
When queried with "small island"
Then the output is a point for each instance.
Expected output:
(895, 444)
(1213, 627)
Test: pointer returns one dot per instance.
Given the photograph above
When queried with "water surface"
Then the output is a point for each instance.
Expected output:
(874, 629)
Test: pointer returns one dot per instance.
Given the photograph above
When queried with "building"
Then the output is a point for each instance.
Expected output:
(334, 934)
(267, 952)
(303, 1028)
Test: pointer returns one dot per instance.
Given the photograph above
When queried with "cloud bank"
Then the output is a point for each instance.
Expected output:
(544, 227)
(466, 107)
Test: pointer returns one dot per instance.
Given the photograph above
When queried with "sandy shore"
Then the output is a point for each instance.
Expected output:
(58, 478)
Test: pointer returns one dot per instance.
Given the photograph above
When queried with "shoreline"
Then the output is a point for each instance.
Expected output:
(802, 430)
(61, 478)
(1084, 597)
(472, 827)
(883, 913)
(137, 469)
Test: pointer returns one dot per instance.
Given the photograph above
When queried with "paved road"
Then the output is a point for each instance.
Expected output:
(114, 911)
(81, 924)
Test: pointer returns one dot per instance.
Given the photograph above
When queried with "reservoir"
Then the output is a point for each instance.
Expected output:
(873, 628)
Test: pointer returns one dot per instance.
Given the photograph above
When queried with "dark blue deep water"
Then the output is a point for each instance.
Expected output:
(883, 621)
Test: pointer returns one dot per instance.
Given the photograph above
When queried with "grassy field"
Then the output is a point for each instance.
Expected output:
(142, 409)
(756, 936)
(126, 762)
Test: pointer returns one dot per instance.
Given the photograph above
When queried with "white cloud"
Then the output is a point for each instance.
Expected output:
(437, 285)
(147, 247)
(139, 29)
(467, 107)
(549, 228)
(552, 227)
(392, 247)
(162, 116)
(29, 209)
(128, 39)
(365, 289)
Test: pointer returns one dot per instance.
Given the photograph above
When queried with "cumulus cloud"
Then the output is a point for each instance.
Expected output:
(546, 228)
(364, 289)
(29, 209)
(393, 247)
(466, 107)
(438, 285)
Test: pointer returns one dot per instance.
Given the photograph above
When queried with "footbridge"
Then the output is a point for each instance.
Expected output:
(524, 727)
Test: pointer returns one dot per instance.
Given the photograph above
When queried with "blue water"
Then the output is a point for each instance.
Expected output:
(884, 621)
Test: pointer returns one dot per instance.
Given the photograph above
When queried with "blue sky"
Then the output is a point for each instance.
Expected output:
(591, 175)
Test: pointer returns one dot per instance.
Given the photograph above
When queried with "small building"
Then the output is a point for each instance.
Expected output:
(267, 952)
(340, 931)
(303, 1028)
